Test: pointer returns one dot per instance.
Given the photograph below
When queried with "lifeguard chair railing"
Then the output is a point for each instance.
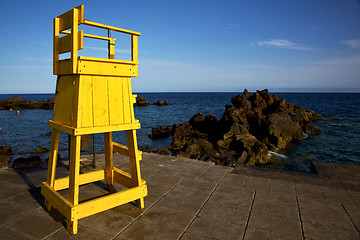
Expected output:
(93, 95)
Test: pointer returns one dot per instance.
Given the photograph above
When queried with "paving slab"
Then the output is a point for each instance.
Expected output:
(141, 229)
(190, 199)
(214, 228)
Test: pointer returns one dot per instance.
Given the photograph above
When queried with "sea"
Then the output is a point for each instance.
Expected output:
(339, 141)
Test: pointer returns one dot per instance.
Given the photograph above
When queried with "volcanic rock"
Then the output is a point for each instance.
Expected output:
(161, 132)
(254, 124)
(160, 103)
(141, 101)
(27, 161)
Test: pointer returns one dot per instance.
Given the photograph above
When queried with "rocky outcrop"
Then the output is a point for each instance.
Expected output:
(249, 128)
(161, 132)
(30, 161)
(40, 149)
(19, 103)
(160, 103)
(141, 101)
(4, 158)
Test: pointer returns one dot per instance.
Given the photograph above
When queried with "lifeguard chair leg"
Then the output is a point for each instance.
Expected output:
(74, 171)
(55, 135)
(134, 161)
(109, 173)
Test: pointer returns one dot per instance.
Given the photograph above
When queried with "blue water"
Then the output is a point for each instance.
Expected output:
(338, 142)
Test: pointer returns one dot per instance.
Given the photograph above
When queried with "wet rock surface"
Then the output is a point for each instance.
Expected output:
(160, 103)
(141, 101)
(160, 132)
(17, 103)
(253, 125)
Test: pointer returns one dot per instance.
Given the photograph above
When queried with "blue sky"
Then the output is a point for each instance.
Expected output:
(194, 45)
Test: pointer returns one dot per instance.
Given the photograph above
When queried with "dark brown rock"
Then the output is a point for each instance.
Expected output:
(17, 103)
(27, 161)
(40, 149)
(161, 132)
(160, 103)
(141, 101)
(248, 129)
(5, 150)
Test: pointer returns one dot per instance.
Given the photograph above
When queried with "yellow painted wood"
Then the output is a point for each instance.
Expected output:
(66, 18)
(109, 174)
(63, 108)
(93, 130)
(100, 25)
(83, 58)
(100, 101)
(86, 113)
(56, 46)
(55, 135)
(116, 100)
(134, 48)
(84, 178)
(134, 161)
(124, 150)
(93, 95)
(111, 49)
(74, 169)
(57, 201)
(64, 44)
(92, 36)
(125, 178)
(74, 40)
(110, 201)
(105, 68)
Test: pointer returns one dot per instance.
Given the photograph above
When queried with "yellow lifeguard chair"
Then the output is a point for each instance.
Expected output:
(93, 95)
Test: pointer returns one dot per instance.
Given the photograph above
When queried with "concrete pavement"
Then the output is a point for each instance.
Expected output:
(190, 199)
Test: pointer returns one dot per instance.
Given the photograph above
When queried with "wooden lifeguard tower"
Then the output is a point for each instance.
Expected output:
(93, 95)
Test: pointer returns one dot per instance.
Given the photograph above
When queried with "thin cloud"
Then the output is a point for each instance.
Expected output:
(352, 43)
(280, 43)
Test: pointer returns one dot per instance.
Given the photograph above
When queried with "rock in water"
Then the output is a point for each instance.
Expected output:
(40, 149)
(141, 101)
(27, 162)
(161, 132)
(160, 103)
(249, 128)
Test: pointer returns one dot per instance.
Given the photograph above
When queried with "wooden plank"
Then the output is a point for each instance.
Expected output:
(110, 201)
(65, 42)
(107, 68)
(100, 101)
(111, 49)
(74, 169)
(63, 108)
(109, 174)
(100, 25)
(66, 18)
(56, 46)
(92, 36)
(86, 101)
(125, 179)
(107, 60)
(74, 40)
(124, 150)
(54, 146)
(56, 200)
(134, 48)
(84, 178)
(134, 161)
(100, 129)
(115, 100)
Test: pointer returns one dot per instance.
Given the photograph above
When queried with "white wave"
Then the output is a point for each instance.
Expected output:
(278, 155)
